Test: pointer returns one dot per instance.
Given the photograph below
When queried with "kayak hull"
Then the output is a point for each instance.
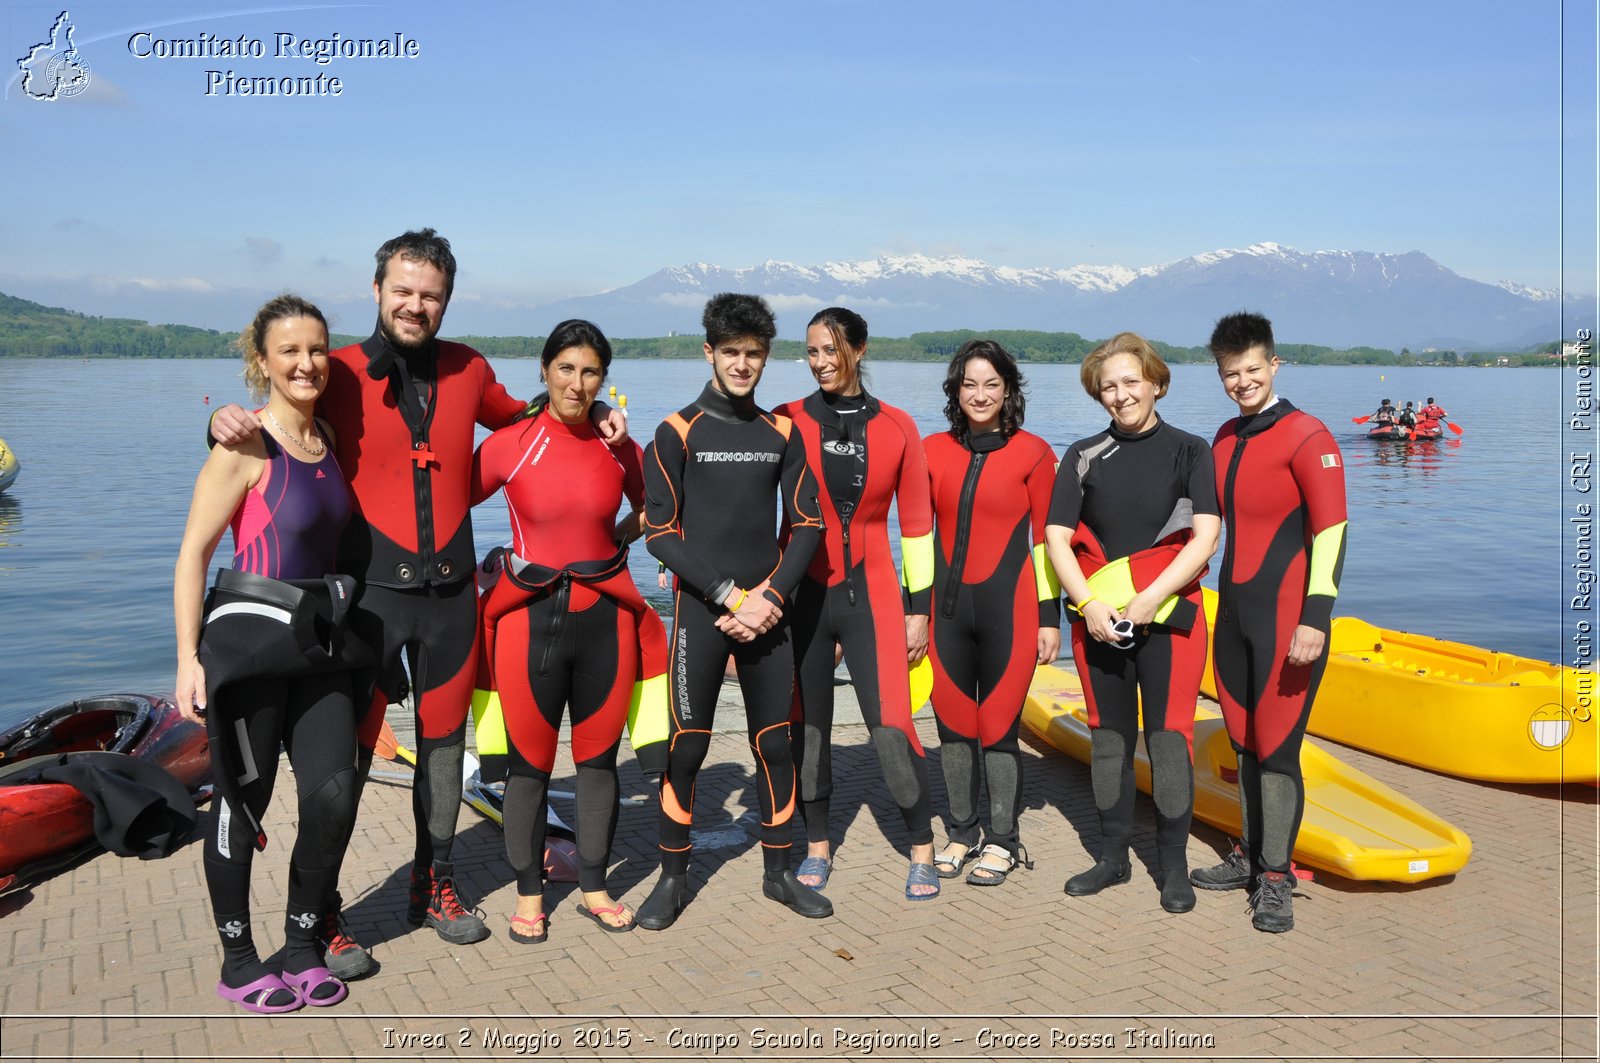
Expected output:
(1354, 826)
(1453, 708)
(42, 821)
(9, 465)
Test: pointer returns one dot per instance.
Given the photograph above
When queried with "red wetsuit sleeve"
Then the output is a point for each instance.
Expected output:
(1041, 482)
(632, 460)
(496, 407)
(488, 473)
(1318, 471)
(913, 495)
(663, 515)
(804, 517)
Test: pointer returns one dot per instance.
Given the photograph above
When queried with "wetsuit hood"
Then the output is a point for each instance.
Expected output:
(725, 407)
(382, 356)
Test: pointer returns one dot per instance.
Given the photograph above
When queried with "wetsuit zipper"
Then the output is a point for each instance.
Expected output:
(1226, 577)
(849, 566)
(421, 479)
(958, 554)
(558, 618)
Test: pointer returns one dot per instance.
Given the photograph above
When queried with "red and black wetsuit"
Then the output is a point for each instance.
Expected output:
(992, 592)
(403, 422)
(710, 476)
(864, 454)
(566, 628)
(1135, 496)
(1280, 480)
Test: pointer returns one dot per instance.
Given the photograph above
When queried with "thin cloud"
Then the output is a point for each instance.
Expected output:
(263, 250)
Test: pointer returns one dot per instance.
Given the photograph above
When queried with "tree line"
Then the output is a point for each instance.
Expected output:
(31, 330)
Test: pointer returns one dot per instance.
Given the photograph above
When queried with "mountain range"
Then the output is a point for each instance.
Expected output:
(1338, 298)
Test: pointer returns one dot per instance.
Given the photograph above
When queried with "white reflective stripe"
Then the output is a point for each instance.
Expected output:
(245, 753)
(224, 815)
(271, 612)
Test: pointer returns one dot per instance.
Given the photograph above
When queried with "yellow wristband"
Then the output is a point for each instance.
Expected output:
(1081, 606)
(743, 594)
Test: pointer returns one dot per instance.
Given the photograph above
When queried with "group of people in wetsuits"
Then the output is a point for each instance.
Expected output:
(1426, 419)
(349, 494)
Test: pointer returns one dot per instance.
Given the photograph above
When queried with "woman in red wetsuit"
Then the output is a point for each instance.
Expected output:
(286, 501)
(996, 608)
(567, 620)
(864, 454)
(1133, 523)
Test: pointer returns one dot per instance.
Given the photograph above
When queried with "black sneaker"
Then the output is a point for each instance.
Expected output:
(342, 954)
(442, 909)
(1232, 874)
(1273, 903)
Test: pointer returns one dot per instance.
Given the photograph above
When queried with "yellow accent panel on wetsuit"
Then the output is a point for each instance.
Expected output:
(647, 712)
(488, 723)
(1044, 575)
(916, 562)
(1112, 583)
(1326, 549)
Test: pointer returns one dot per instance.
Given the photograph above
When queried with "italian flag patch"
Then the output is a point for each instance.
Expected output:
(1330, 461)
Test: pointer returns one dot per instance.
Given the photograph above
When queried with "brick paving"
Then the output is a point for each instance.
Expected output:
(117, 958)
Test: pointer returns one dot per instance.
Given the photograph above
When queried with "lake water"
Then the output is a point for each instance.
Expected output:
(1460, 538)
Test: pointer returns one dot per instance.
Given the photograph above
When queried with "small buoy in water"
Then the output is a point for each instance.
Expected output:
(208, 400)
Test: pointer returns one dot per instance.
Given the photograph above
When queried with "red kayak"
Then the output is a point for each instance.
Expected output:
(1399, 432)
(39, 821)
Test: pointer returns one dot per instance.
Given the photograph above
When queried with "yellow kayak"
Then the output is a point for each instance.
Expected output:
(9, 465)
(1354, 826)
(1452, 708)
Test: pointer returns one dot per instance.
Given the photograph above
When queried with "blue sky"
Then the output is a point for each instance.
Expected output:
(569, 148)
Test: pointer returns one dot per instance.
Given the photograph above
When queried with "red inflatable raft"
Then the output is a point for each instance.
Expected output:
(41, 821)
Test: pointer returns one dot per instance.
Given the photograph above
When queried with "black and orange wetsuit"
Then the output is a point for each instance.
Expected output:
(1135, 496)
(564, 626)
(404, 428)
(710, 477)
(993, 589)
(1280, 480)
(864, 454)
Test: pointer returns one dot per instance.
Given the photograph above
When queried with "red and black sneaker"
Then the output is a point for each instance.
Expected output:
(434, 902)
(342, 954)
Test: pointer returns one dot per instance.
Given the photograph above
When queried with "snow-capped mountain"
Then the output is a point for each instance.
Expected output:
(1339, 298)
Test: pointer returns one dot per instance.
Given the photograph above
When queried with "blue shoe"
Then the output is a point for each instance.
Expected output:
(922, 875)
(821, 866)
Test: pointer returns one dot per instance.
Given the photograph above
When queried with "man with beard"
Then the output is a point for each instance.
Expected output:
(402, 405)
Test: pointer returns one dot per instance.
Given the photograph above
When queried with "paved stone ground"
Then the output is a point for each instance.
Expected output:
(117, 958)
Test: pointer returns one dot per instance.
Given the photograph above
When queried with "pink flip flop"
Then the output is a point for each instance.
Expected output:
(532, 924)
(254, 997)
(595, 914)
(310, 980)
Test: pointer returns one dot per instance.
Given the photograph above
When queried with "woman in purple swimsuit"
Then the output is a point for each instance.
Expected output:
(283, 495)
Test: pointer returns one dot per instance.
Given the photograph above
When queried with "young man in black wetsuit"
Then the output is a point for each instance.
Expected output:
(710, 478)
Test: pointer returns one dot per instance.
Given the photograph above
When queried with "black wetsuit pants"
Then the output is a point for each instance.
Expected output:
(874, 648)
(698, 658)
(313, 718)
(1164, 666)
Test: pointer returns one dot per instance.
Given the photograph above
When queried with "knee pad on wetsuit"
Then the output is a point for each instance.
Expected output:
(899, 767)
(326, 815)
(812, 766)
(772, 746)
(1108, 760)
(1280, 818)
(1171, 773)
(1003, 770)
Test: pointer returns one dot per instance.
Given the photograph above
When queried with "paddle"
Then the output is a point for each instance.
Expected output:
(1361, 420)
(389, 748)
(1457, 429)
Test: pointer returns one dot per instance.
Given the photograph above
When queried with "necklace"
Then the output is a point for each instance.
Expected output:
(322, 448)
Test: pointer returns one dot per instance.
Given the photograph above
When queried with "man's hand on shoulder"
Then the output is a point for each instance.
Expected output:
(610, 422)
(233, 424)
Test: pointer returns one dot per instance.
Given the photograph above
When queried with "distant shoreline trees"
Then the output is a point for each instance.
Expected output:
(31, 330)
